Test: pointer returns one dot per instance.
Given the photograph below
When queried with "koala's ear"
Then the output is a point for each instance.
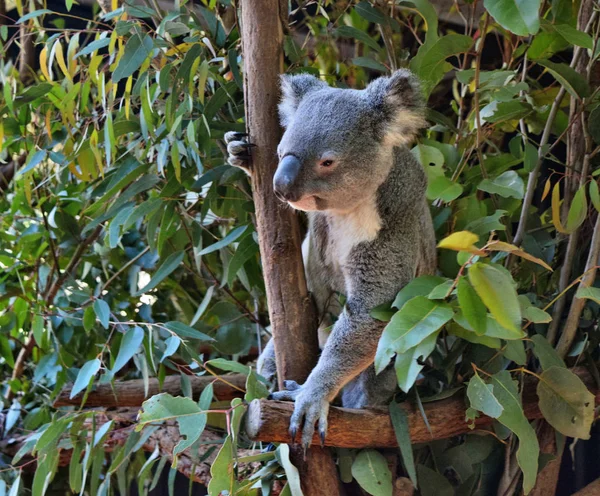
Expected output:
(293, 90)
(399, 99)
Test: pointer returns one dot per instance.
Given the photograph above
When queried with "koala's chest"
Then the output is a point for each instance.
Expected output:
(337, 235)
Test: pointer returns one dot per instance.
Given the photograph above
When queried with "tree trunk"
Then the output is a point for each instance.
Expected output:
(293, 320)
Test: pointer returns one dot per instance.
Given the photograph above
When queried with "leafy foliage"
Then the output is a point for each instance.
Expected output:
(128, 248)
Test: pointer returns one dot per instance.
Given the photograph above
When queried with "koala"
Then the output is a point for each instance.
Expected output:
(343, 160)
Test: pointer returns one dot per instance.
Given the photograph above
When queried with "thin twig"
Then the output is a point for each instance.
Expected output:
(533, 175)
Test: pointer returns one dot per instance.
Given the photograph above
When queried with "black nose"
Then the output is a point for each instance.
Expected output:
(284, 181)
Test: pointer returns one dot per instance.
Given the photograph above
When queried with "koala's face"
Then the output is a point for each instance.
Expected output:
(337, 146)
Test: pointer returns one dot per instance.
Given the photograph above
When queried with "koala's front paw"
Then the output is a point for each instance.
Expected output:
(238, 149)
(311, 406)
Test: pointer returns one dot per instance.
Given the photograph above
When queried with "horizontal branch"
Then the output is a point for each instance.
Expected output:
(132, 393)
(347, 428)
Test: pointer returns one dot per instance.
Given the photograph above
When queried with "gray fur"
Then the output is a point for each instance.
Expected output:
(370, 230)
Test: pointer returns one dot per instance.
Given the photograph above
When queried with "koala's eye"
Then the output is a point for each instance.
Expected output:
(326, 163)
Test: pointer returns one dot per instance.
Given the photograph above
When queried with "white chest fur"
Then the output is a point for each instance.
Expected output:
(348, 229)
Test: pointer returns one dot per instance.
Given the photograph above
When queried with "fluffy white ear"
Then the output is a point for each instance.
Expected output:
(400, 100)
(293, 89)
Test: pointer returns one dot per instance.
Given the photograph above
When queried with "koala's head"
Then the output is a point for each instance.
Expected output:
(338, 143)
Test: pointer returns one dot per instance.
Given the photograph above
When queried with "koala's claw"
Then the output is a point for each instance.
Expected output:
(311, 407)
(238, 149)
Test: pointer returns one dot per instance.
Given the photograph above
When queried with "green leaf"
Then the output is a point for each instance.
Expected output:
(291, 472)
(420, 286)
(511, 110)
(415, 321)
(481, 397)
(402, 431)
(203, 305)
(370, 469)
(519, 17)
(430, 63)
(444, 189)
(85, 375)
(223, 479)
(573, 35)
(432, 483)
(102, 311)
(254, 388)
(136, 51)
(89, 319)
(565, 402)
(471, 305)
(408, 365)
(509, 184)
(440, 291)
(369, 63)
(568, 77)
(129, 346)
(495, 289)
(577, 211)
(186, 331)
(229, 365)
(168, 266)
(357, 34)
(33, 15)
(536, 315)
(291, 49)
(515, 351)
(590, 293)
(33, 161)
(37, 326)
(244, 252)
(545, 45)
(485, 225)
(513, 417)
(546, 353)
(594, 193)
(226, 241)
(188, 414)
(171, 346)
(454, 329)
(93, 46)
(370, 13)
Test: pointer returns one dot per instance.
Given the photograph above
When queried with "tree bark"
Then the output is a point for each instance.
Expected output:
(547, 478)
(592, 489)
(268, 420)
(132, 394)
(291, 312)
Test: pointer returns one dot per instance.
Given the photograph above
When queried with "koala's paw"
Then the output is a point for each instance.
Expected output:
(238, 149)
(311, 406)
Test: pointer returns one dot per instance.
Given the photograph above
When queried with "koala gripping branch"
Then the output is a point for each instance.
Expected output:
(269, 420)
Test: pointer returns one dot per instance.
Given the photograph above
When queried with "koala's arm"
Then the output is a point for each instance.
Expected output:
(379, 270)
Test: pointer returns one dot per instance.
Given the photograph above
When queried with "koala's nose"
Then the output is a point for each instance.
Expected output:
(285, 178)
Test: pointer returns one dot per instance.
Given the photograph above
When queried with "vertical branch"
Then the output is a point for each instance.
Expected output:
(572, 322)
(577, 146)
(533, 175)
(290, 308)
(27, 53)
(293, 319)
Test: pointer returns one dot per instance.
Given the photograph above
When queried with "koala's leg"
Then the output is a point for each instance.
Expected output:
(370, 389)
(265, 364)
(238, 149)
(378, 272)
